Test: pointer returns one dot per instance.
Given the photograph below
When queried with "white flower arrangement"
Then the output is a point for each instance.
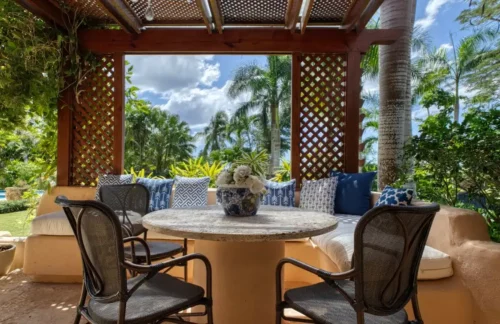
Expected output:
(241, 177)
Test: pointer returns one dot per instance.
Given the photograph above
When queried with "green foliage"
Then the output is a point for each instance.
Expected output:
(450, 158)
(284, 173)
(257, 161)
(194, 168)
(141, 174)
(228, 155)
(10, 206)
(18, 173)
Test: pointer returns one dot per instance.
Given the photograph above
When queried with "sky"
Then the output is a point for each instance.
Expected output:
(194, 87)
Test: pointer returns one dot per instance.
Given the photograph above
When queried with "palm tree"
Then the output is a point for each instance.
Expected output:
(216, 133)
(240, 131)
(395, 88)
(270, 90)
(465, 59)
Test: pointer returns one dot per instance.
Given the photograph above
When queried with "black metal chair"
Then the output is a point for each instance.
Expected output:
(131, 203)
(388, 245)
(151, 297)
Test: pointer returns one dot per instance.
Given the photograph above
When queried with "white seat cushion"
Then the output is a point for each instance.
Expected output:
(338, 245)
(51, 224)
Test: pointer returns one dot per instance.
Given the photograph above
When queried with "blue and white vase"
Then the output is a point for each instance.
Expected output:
(238, 201)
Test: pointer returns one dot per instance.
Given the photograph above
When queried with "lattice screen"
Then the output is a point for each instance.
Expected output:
(329, 11)
(93, 127)
(256, 11)
(322, 114)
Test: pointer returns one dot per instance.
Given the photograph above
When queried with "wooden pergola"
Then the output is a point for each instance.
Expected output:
(326, 38)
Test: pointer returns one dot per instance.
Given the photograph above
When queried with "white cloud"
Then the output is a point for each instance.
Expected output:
(162, 73)
(431, 12)
(197, 105)
(447, 46)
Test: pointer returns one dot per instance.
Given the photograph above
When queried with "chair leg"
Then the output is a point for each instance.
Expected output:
(81, 303)
(278, 316)
(416, 310)
(210, 315)
(184, 252)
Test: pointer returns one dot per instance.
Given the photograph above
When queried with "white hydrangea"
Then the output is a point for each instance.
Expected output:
(255, 184)
(241, 174)
(224, 178)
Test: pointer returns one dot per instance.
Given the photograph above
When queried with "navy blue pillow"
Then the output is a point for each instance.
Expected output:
(353, 195)
(395, 197)
(160, 191)
(280, 194)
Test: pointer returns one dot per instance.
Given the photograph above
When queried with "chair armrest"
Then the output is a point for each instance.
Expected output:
(144, 244)
(152, 270)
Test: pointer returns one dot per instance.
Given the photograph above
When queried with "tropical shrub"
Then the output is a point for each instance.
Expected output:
(284, 173)
(193, 168)
(452, 159)
(141, 174)
(19, 173)
(10, 206)
(257, 161)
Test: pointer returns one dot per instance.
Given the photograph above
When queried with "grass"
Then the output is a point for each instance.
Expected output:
(15, 223)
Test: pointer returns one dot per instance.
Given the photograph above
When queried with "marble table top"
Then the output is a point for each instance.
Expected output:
(210, 223)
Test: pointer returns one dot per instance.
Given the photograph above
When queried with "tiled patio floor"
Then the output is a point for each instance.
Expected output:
(26, 302)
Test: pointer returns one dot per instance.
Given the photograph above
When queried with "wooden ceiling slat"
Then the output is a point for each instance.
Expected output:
(45, 10)
(123, 15)
(216, 14)
(292, 13)
(205, 16)
(307, 14)
(370, 10)
(354, 13)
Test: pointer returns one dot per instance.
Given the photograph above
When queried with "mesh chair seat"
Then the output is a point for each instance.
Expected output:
(158, 251)
(325, 305)
(156, 298)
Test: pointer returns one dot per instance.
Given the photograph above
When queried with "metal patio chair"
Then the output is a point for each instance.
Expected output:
(388, 245)
(131, 203)
(150, 297)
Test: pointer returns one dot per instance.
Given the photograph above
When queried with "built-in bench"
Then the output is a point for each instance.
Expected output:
(52, 255)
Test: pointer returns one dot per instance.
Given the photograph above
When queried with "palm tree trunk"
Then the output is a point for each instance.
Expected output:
(456, 112)
(395, 102)
(275, 142)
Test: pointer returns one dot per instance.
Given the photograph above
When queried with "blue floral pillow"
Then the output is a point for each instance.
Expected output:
(280, 194)
(160, 191)
(395, 197)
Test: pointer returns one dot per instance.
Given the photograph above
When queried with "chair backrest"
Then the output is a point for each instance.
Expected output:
(126, 198)
(388, 245)
(99, 236)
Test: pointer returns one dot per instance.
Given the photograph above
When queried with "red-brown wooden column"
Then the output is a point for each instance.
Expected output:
(295, 128)
(119, 113)
(352, 132)
(64, 138)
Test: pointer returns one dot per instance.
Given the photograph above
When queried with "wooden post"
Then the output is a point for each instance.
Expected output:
(353, 112)
(295, 136)
(119, 113)
(64, 138)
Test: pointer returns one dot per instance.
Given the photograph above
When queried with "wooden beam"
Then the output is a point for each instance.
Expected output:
(123, 15)
(45, 10)
(64, 137)
(233, 41)
(370, 10)
(292, 13)
(353, 15)
(204, 16)
(295, 125)
(216, 14)
(305, 18)
(353, 106)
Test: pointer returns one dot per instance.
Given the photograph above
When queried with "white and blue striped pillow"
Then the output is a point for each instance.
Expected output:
(160, 191)
(280, 194)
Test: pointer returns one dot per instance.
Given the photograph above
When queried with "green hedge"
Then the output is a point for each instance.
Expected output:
(13, 206)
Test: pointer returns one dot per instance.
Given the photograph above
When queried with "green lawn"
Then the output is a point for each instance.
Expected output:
(15, 223)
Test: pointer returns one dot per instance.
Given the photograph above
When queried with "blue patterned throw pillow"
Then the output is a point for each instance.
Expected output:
(353, 195)
(280, 194)
(110, 180)
(395, 197)
(190, 192)
(319, 195)
(160, 191)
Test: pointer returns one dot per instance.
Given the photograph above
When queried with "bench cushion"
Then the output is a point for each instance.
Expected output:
(338, 245)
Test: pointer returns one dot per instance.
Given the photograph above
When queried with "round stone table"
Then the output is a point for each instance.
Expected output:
(243, 251)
